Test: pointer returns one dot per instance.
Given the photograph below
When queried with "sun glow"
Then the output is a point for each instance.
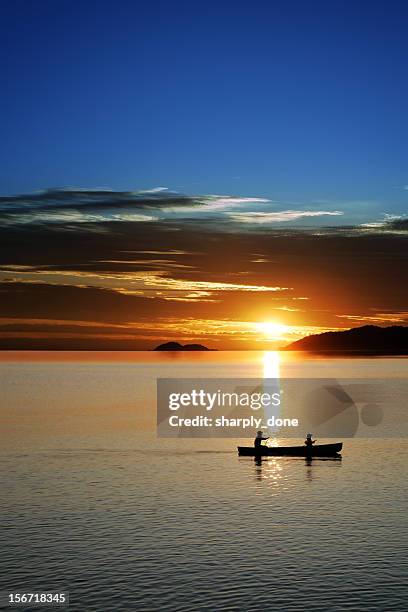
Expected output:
(273, 330)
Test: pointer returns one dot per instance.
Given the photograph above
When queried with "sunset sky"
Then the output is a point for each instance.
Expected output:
(233, 174)
(92, 269)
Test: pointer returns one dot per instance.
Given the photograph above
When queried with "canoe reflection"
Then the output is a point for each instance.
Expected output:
(270, 469)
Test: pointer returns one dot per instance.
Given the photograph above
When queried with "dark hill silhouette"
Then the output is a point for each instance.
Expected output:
(176, 346)
(369, 339)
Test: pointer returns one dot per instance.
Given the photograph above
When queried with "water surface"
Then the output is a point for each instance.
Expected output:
(94, 503)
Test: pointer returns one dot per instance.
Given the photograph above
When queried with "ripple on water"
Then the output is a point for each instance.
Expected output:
(207, 531)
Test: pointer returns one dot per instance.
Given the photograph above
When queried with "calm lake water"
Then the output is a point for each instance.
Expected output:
(94, 503)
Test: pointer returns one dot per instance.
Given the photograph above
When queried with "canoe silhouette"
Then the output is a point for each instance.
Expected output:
(319, 450)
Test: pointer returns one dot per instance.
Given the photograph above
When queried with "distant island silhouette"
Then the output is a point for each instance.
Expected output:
(176, 346)
(368, 340)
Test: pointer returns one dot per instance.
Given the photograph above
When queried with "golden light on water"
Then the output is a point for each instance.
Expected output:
(271, 364)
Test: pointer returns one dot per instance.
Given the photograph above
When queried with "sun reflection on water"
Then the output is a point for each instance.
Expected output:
(271, 470)
(271, 372)
(271, 363)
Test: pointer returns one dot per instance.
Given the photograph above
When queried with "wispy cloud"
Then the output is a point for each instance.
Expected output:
(287, 308)
(194, 296)
(176, 284)
(142, 282)
(134, 217)
(154, 190)
(221, 202)
(397, 317)
(163, 252)
(280, 216)
(71, 206)
(149, 263)
(214, 203)
(389, 223)
(75, 216)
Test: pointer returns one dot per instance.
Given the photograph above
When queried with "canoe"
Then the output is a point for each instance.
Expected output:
(318, 450)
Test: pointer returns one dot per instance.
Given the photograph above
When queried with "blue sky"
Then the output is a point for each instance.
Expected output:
(303, 103)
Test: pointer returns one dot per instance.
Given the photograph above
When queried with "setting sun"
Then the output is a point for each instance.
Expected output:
(273, 329)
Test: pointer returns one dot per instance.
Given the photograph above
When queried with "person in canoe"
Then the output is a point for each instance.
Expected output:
(309, 443)
(258, 441)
